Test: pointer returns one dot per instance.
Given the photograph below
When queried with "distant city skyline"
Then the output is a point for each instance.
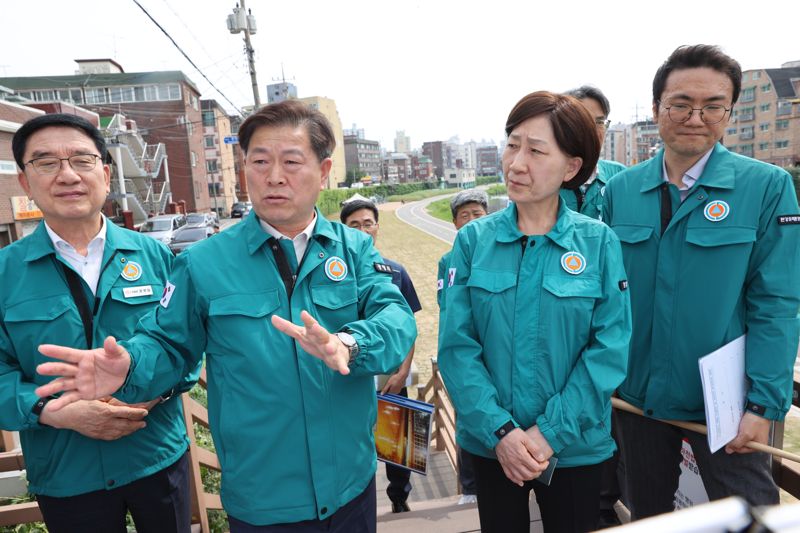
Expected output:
(434, 70)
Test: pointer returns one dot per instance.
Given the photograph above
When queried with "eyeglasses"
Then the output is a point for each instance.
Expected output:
(365, 225)
(602, 123)
(47, 166)
(710, 114)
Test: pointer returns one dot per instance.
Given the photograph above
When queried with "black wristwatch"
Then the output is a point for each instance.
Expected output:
(350, 343)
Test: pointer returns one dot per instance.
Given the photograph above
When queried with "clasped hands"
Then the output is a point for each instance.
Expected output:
(524, 455)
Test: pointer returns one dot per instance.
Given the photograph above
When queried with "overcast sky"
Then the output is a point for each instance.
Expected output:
(434, 68)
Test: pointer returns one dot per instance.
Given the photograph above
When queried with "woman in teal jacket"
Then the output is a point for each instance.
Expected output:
(537, 329)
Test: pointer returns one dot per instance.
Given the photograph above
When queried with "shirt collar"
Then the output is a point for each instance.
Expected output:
(98, 240)
(305, 234)
(691, 176)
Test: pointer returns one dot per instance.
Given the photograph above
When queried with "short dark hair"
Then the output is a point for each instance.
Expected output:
(58, 120)
(348, 208)
(291, 113)
(573, 128)
(696, 56)
(587, 91)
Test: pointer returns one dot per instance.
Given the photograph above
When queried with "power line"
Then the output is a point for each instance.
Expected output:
(187, 57)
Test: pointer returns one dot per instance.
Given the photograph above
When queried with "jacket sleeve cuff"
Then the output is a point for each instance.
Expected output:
(550, 434)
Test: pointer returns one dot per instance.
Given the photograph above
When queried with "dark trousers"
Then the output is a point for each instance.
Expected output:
(651, 452)
(359, 515)
(466, 473)
(399, 478)
(613, 473)
(158, 503)
(569, 504)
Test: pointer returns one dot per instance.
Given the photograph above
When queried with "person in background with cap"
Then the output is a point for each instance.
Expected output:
(362, 215)
(75, 280)
(465, 207)
(296, 316)
(588, 198)
(536, 329)
(711, 240)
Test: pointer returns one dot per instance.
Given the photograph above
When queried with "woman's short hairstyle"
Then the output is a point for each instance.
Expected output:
(291, 113)
(573, 128)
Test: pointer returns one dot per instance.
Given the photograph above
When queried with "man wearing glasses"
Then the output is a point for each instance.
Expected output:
(712, 251)
(75, 280)
(588, 198)
(363, 216)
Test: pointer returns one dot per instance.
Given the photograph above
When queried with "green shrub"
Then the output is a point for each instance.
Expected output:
(485, 180)
(496, 190)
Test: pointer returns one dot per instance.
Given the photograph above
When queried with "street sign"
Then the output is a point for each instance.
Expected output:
(233, 139)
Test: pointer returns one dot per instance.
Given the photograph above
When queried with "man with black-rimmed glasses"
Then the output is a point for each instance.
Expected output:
(712, 250)
(75, 280)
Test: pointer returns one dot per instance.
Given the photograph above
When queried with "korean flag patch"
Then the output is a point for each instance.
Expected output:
(166, 296)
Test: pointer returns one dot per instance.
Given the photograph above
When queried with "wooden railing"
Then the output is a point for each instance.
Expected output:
(444, 422)
(202, 501)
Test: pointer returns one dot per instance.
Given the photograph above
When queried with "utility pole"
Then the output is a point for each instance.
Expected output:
(243, 21)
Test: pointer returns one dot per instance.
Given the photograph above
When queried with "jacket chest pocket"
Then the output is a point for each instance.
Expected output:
(241, 320)
(633, 234)
(52, 320)
(336, 304)
(133, 303)
(720, 249)
(492, 294)
(567, 304)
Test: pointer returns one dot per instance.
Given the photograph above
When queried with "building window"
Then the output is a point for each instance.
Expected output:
(781, 144)
(763, 146)
(764, 126)
(764, 107)
(209, 141)
(746, 149)
(756, 75)
(121, 94)
(782, 124)
(194, 159)
(784, 108)
(208, 119)
(766, 88)
(45, 96)
(174, 92)
(211, 165)
(189, 128)
(748, 94)
(96, 96)
(731, 131)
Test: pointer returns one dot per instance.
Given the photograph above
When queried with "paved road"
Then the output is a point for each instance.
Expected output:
(416, 214)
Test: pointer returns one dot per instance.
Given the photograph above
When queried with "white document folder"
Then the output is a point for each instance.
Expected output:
(724, 390)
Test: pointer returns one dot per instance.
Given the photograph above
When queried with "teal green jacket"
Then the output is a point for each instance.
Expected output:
(593, 197)
(36, 307)
(294, 438)
(706, 282)
(527, 341)
(441, 289)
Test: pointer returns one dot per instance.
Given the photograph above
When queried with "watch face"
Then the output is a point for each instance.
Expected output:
(347, 339)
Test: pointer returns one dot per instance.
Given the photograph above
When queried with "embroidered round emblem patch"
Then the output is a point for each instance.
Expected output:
(716, 210)
(336, 268)
(132, 271)
(573, 262)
